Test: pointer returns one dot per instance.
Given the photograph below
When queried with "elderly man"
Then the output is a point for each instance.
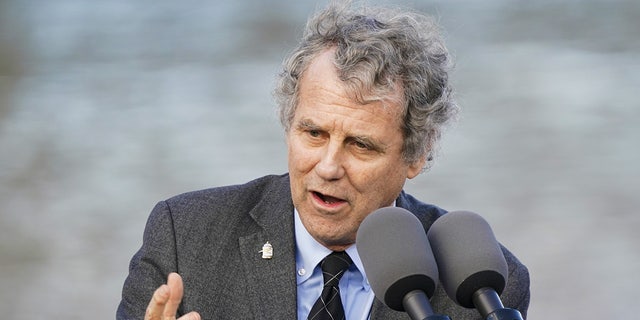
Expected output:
(363, 100)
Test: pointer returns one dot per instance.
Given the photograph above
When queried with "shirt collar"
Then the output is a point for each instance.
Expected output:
(308, 251)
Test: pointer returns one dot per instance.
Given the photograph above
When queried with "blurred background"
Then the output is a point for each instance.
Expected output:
(107, 107)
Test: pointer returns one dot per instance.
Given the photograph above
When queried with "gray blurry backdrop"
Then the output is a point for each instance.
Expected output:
(107, 107)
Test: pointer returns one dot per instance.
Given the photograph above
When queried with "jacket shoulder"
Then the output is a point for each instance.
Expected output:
(200, 213)
(236, 196)
(426, 213)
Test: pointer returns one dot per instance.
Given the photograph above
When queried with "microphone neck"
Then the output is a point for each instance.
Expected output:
(486, 300)
(488, 303)
(416, 304)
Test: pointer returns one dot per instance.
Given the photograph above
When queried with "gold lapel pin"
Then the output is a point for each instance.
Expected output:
(267, 251)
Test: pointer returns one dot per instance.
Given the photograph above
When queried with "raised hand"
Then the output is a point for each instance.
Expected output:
(166, 300)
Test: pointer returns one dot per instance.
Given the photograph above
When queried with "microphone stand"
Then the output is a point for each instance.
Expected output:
(488, 303)
(417, 306)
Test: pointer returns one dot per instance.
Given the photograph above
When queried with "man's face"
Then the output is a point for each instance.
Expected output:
(345, 158)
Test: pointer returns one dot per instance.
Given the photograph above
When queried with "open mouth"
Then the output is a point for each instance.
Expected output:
(327, 199)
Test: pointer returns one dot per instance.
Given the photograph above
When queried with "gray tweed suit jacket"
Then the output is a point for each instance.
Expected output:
(213, 238)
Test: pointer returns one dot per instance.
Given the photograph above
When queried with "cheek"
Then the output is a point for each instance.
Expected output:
(382, 184)
(300, 159)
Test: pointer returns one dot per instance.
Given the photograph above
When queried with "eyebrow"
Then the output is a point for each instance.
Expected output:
(307, 124)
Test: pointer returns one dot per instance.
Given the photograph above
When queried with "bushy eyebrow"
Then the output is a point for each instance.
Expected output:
(307, 124)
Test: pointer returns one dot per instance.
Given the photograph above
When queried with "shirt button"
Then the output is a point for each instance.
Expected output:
(302, 272)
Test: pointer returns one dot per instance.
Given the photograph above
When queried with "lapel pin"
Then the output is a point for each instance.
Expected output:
(267, 251)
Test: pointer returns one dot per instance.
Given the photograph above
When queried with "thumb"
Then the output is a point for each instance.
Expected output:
(176, 289)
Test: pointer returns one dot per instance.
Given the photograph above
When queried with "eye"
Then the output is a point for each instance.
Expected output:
(314, 133)
(361, 145)
(365, 145)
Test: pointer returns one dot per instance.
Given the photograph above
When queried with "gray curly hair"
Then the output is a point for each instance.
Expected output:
(378, 50)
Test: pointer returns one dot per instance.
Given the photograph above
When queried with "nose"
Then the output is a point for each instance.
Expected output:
(331, 164)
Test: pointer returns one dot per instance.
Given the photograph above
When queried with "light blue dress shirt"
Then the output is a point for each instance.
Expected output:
(355, 292)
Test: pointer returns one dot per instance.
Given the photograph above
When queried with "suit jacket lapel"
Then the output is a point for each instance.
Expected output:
(271, 282)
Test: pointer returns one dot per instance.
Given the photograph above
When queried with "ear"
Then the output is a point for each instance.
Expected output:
(416, 167)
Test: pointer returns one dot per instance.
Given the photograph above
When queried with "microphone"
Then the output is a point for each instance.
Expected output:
(399, 262)
(473, 270)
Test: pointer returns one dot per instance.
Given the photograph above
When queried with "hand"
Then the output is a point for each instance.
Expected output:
(166, 299)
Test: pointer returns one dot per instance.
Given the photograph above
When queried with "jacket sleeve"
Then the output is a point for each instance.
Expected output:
(151, 265)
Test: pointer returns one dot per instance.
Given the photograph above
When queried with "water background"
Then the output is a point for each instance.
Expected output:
(107, 107)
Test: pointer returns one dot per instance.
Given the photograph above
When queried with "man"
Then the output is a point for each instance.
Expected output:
(363, 100)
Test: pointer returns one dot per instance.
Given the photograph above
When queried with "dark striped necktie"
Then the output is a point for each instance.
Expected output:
(329, 305)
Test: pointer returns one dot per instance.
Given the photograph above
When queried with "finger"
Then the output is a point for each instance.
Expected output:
(176, 289)
(157, 304)
(191, 316)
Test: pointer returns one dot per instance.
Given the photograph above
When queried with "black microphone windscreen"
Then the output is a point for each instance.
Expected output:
(468, 255)
(396, 255)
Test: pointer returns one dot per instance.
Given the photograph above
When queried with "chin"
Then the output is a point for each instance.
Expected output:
(337, 240)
